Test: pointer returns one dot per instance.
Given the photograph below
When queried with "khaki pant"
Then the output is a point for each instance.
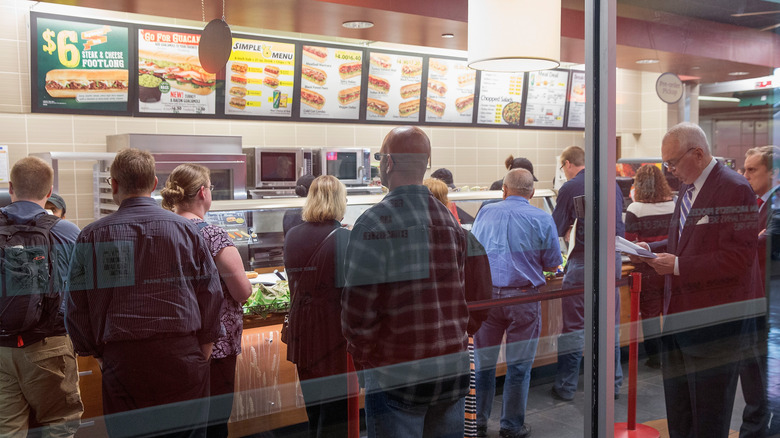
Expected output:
(42, 377)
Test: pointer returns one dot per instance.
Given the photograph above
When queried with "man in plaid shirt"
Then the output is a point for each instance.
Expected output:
(404, 311)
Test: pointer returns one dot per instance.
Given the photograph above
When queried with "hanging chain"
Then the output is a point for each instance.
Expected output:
(223, 11)
(203, 10)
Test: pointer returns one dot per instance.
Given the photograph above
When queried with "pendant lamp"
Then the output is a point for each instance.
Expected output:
(514, 35)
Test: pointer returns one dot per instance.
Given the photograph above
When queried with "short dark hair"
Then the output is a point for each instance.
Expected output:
(574, 155)
(133, 170)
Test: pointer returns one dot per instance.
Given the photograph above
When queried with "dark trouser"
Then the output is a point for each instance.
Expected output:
(326, 403)
(752, 374)
(699, 391)
(223, 377)
(155, 387)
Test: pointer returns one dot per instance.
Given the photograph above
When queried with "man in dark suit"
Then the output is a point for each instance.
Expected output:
(709, 260)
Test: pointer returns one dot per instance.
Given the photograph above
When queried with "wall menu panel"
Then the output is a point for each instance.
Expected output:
(450, 91)
(546, 100)
(500, 98)
(330, 82)
(259, 78)
(394, 87)
(79, 66)
(170, 77)
(576, 116)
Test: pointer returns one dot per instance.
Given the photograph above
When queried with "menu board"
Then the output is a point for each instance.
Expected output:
(546, 100)
(450, 96)
(79, 66)
(576, 118)
(500, 98)
(259, 78)
(330, 82)
(394, 87)
(170, 77)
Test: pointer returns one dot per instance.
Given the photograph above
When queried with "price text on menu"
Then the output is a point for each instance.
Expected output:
(80, 65)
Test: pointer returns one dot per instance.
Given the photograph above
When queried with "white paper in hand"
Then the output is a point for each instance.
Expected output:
(628, 247)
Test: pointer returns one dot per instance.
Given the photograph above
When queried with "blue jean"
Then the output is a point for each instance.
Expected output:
(387, 417)
(572, 338)
(522, 324)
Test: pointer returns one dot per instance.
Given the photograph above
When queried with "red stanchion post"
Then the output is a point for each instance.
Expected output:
(353, 403)
(630, 428)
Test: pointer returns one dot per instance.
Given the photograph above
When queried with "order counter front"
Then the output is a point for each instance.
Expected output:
(268, 392)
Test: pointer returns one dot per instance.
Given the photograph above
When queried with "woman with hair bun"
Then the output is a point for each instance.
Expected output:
(292, 217)
(313, 257)
(647, 220)
(187, 192)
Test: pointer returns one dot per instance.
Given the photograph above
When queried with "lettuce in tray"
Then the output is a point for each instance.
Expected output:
(268, 299)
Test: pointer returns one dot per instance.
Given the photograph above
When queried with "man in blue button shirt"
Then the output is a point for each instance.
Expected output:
(521, 241)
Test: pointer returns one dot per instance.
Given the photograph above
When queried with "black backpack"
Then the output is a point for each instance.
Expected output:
(26, 261)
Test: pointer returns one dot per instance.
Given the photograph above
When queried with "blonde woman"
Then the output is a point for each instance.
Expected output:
(439, 190)
(313, 255)
(188, 194)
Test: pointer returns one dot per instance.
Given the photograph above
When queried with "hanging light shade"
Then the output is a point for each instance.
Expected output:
(514, 35)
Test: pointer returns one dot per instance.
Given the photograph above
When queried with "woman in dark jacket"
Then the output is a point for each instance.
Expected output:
(313, 253)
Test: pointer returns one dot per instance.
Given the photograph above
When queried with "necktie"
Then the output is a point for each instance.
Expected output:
(760, 202)
(685, 208)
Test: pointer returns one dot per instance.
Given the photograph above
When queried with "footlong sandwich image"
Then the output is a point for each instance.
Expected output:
(238, 91)
(378, 83)
(438, 88)
(349, 95)
(319, 54)
(314, 75)
(181, 71)
(408, 108)
(237, 102)
(312, 98)
(65, 83)
(411, 90)
(350, 69)
(377, 106)
(435, 107)
(464, 103)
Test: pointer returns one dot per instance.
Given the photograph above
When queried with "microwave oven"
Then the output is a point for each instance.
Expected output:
(352, 166)
(278, 167)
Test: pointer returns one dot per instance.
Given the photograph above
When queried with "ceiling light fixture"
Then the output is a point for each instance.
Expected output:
(447, 35)
(647, 61)
(719, 99)
(739, 73)
(357, 24)
(505, 36)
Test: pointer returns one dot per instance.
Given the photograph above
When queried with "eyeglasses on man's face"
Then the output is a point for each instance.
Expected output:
(672, 164)
(378, 156)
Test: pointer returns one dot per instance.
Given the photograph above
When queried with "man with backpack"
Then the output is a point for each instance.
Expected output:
(38, 371)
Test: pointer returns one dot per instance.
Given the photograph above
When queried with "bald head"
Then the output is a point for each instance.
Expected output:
(406, 150)
(686, 136)
(519, 182)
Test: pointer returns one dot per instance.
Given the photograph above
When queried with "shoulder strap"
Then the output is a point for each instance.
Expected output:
(319, 247)
(201, 225)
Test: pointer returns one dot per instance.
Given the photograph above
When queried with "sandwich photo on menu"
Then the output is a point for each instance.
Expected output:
(377, 106)
(270, 81)
(406, 109)
(380, 61)
(314, 75)
(438, 67)
(181, 71)
(464, 103)
(350, 69)
(435, 107)
(239, 67)
(349, 95)
(411, 90)
(378, 83)
(438, 88)
(271, 70)
(238, 79)
(312, 98)
(238, 91)
(319, 54)
(63, 83)
(413, 68)
(238, 103)
(467, 79)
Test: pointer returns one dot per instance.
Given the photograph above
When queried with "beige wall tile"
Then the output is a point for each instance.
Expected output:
(441, 157)
(66, 180)
(212, 127)
(464, 175)
(34, 148)
(310, 134)
(487, 139)
(92, 130)
(340, 135)
(487, 174)
(136, 125)
(508, 138)
(9, 18)
(85, 210)
(369, 137)
(10, 89)
(465, 138)
(24, 57)
(279, 134)
(50, 129)
(443, 138)
(175, 126)
(14, 128)
(527, 139)
(487, 157)
(252, 133)
(9, 56)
